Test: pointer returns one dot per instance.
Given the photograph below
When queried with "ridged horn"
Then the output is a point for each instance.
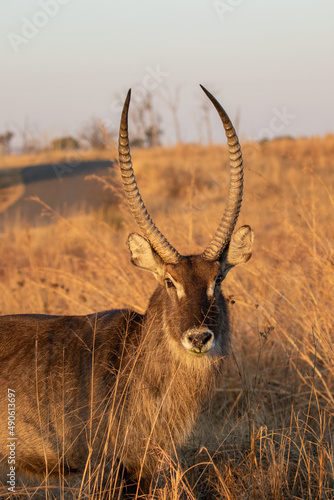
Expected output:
(226, 226)
(160, 244)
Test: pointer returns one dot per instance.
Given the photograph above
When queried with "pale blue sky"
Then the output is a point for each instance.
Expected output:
(272, 59)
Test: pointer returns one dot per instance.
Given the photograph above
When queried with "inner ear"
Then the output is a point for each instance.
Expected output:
(239, 249)
(145, 257)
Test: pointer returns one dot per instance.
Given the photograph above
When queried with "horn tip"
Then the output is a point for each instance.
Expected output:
(210, 96)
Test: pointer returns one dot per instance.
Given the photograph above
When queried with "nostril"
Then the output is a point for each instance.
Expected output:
(200, 339)
(206, 336)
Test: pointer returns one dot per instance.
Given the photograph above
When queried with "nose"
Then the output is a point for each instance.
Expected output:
(200, 339)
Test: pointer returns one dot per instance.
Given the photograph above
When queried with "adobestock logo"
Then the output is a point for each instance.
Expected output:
(151, 80)
(225, 7)
(279, 121)
(32, 27)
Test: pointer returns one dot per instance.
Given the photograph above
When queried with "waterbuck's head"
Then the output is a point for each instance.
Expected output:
(188, 299)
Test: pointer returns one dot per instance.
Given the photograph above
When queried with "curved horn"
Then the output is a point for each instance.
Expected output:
(226, 226)
(168, 254)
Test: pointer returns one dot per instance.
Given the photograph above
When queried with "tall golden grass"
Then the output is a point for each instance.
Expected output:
(268, 433)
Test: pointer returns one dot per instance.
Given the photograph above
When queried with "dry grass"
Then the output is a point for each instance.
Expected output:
(50, 156)
(269, 431)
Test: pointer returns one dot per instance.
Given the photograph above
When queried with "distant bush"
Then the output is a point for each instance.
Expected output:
(62, 143)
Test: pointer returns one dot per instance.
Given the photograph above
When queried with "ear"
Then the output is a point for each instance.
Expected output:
(145, 257)
(238, 250)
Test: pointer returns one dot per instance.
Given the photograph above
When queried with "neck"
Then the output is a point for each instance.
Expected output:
(166, 388)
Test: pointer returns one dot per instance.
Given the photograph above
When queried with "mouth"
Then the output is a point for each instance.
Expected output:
(197, 353)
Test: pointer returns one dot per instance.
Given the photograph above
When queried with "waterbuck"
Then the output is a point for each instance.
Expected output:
(118, 386)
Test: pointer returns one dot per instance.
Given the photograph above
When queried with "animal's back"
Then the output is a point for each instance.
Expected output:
(62, 372)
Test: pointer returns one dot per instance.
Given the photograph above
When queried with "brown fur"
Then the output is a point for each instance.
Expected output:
(117, 387)
(115, 384)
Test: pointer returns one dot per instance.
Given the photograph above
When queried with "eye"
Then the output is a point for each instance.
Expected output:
(219, 279)
(169, 283)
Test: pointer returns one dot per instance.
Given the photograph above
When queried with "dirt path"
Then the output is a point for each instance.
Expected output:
(65, 189)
